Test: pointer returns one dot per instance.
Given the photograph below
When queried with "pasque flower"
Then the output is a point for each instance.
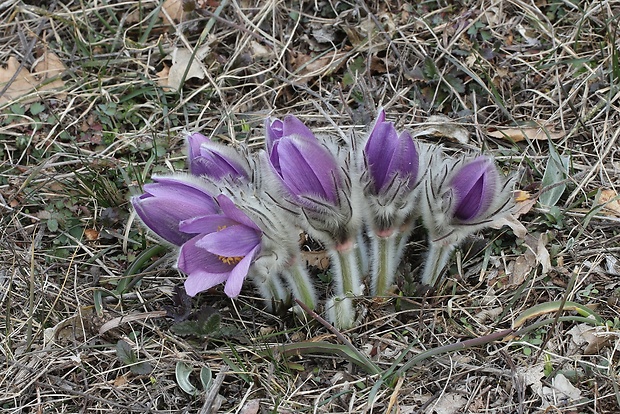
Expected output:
(214, 159)
(312, 177)
(168, 201)
(315, 176)
(391, 158)
(391, 174)
(291, 125)
(223, 250)
(461, 197)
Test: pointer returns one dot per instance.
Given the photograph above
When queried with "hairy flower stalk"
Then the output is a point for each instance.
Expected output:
(393, 166)
(315, 176)
(460, 197)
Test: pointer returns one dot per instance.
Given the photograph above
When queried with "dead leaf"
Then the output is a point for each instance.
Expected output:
(610, 201)
(319, 260)
(535, 254)
(448, 403)
(172, 12)
(511, 221)
(260, 52)
(250, 407)
(594, 337)
(560, 391)
(181, 59)
(442, 126)
(121, 380)
(91, 234)
(306, 65)
(520, 134)
(48, 67)
(23, 83)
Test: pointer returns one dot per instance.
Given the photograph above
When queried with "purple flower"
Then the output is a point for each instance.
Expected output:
(170, 200)
(307, 169)
(390, 156)
(223, 250)
(474, 187)
(276, 129)
(214, 160)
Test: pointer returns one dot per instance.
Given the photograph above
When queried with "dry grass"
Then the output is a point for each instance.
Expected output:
(70, 160)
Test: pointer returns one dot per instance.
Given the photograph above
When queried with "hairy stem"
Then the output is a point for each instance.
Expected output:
(300, 283)
(436, 260)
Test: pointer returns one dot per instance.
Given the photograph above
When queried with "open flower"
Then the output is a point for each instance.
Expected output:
(215, 160)
(170, 200)
(223, 250)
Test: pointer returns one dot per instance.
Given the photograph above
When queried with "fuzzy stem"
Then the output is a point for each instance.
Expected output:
(271, 289)
(436, 260)
(300, 283)
(362, 252)
(385, 260)
(347, 269)
(341, 312)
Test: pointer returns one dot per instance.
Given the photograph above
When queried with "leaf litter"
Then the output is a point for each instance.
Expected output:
(492, 68)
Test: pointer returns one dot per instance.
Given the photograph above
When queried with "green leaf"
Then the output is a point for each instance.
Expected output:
(556, 171)
(206, 377)
(124, 353)
(210, 325)
(182, 373)
(36, 108)
(52, 225)
(142, 368)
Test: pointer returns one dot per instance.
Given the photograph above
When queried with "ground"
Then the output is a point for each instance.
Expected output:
(95, 98)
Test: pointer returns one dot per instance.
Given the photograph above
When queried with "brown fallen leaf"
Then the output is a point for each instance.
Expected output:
(520, 134)
(442, 126)
(610, 201)
(23, 82)
(172, 77)
(48, 67)
(172, 11)
(319, 260)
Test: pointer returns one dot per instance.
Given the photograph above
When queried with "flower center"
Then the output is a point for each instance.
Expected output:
(230, 260)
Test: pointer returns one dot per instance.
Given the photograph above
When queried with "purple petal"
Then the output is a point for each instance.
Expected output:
(274, 158)
(405, 160)
(474, 186)
(273, 132)
(379, 151)
(308, 168)
(199, 281)
(231, 211)
(168, 202)
(206, 224)
(293, 126)
(233, 241)
(204, 270)
(194, 141)
(218, 161)
(238, 274)
(182, 188)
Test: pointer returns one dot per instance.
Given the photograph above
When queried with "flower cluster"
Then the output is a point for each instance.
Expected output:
(238, 214)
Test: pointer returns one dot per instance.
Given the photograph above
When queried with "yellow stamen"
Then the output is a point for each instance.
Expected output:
(230, 260)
